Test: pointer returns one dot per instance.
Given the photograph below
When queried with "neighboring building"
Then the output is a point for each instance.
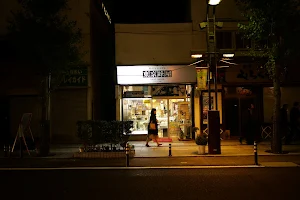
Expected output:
(146, 47)
(85, 94)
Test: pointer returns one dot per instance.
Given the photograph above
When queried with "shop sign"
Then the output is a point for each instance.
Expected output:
(133, 94)
(201, 79)
(150, 74)
(75, 77)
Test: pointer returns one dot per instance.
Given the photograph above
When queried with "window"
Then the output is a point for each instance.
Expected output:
(261, 44)
(241, 42)
(224, 39)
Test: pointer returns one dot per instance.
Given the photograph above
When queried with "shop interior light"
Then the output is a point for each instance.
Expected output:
(203, 25)
(196, 55)
(222, 67)
(214, 2)
(228, 55)
(219, 24)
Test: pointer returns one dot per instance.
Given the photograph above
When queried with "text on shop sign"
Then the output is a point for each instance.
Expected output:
(157, 73)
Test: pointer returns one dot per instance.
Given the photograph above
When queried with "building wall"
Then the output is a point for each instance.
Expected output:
(68, 105)
(153, 43)
(72, 104)
(226, 12)
(103, 64)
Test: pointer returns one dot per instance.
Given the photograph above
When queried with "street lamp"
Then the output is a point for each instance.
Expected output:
(214, 146)
(214, 2)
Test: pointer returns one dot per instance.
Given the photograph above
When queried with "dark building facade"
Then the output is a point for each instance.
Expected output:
(103, 61)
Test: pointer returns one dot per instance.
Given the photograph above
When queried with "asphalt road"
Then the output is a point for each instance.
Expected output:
(140, 184)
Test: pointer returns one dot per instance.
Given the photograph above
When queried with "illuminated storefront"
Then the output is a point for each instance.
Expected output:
(165, 88)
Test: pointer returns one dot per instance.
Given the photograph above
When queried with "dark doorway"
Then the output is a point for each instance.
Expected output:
(234, 109)
(4, 121)
(232, 115)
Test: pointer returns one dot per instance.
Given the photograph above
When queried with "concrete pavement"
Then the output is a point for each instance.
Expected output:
(179, 149)
(185, 149)
(183, 154)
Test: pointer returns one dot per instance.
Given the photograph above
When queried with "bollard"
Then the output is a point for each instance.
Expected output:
(5, 150)
(255, 153)
(127, 154)
(21, 148)
(170, 150)
(9, 150)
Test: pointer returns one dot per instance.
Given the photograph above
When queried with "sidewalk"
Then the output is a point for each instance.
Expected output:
(187, 149)
(183, 154)
(179, 149)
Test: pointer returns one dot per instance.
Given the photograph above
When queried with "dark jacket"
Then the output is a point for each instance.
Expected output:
(250, 123)
(283, 117)
(153, 120)
(294, 115)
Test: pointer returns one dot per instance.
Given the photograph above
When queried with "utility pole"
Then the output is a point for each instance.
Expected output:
(212, 51)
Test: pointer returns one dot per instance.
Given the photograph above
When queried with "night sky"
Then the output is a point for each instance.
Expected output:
(149, 11)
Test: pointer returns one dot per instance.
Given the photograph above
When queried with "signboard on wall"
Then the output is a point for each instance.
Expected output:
(169, 90)
(183, 111)
(134, 94)
(154, 74)
(205, 105)
(75, 77)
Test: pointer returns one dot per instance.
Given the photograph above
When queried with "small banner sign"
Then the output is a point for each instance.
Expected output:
(201, 79)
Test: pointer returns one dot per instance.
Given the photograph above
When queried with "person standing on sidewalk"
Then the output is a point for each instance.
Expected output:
(250, 127)
(152, 129)
(294, 121)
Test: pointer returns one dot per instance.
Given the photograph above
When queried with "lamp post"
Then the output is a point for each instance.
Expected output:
(214, 146)
(211, 47)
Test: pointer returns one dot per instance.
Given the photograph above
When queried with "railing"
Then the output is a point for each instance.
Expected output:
(267, 130)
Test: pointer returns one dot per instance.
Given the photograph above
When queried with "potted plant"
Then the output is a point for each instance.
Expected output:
(201, 141)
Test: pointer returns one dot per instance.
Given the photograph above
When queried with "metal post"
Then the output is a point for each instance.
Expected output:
(215, 57)
(21, 148)
(170, 150)
(209, 64)
(255, 153)
(5, 150)
(127, 154)
(9, 150)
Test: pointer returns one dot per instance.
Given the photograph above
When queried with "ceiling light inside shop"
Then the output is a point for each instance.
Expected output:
(214, 2)
(228, 55)
(196, 55)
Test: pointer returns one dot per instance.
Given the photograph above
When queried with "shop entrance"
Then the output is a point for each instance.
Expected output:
(169, 113)
(234, 109)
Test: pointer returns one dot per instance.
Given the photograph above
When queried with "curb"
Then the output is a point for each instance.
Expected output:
(141, 168)
(235, 155)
